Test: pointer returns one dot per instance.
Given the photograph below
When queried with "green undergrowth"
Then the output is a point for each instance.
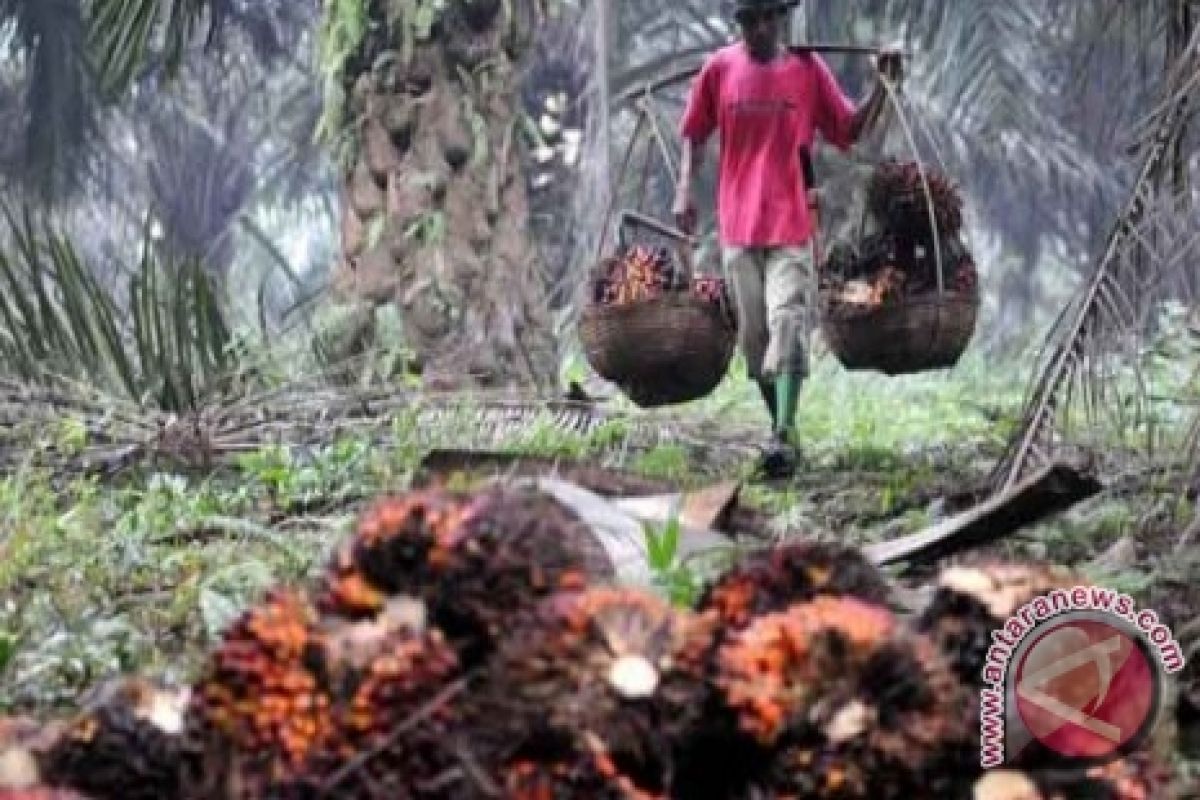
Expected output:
(97, 579)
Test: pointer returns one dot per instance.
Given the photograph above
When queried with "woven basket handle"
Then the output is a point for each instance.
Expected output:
(683, 242)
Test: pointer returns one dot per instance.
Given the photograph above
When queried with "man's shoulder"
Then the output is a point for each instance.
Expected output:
(723, 57)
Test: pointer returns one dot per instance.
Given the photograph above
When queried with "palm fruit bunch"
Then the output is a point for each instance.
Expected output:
(260, 710)
(972, 599)
(386, 675)
(597, 686)
(847, 703)
(975, 598)
(636, 274)
(293, 705)
(896, 196)
(475, 560)
(714, 290)
(772, 579)
(847, 262)
(856, 280)
(126, 743)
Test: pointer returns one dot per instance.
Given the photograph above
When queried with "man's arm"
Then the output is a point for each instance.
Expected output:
(684, 209)
(698, 123)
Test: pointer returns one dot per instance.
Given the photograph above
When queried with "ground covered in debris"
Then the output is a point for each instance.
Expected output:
(145, 571)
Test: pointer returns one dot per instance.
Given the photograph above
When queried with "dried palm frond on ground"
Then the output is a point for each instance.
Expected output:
(118, 436)
(1109, 308)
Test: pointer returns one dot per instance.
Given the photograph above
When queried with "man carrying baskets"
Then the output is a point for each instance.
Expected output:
(767, 102)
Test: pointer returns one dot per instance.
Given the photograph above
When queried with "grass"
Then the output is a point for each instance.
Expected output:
(100, 579)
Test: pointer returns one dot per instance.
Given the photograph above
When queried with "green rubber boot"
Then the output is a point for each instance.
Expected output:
(770, 398)
(783, 458)
(787, 398)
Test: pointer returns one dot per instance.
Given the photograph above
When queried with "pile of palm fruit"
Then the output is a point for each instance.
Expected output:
(641, 273)
(474, 645)
(911, 228)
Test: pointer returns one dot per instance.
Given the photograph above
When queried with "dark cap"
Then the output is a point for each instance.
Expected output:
(744, 6)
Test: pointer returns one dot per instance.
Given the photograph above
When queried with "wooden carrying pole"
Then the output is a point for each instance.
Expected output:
(690, 71)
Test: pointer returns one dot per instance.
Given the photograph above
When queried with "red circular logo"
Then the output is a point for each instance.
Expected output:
(1086, 688)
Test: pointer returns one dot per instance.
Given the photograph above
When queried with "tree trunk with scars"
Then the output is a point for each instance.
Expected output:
(434, 207)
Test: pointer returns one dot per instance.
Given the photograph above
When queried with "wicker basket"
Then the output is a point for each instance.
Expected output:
(919, 333)
(669, 350)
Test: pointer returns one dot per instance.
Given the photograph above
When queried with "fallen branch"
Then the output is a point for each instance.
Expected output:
(1050, 490)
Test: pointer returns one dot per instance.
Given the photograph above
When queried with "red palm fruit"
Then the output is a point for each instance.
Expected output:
(390, 552)
(126, 743)
(1136, 777)
(393, 682)
(770, 580)
(617, 674)
(777, 668)
(895, 728)
(259, 711)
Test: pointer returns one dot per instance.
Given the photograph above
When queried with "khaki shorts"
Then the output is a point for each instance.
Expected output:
(773, 288)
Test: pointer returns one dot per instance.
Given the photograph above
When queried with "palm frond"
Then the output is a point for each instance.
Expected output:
(171, 349)
(1104, 312)
(124, 34)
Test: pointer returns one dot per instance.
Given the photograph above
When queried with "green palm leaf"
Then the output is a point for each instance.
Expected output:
(124, 30)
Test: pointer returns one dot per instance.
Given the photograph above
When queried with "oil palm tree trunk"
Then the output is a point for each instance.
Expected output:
(434, 201)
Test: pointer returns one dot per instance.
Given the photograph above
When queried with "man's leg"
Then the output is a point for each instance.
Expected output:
(745, 276)
(788, 288)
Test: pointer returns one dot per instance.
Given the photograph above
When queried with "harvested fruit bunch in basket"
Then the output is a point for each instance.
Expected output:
(716, 291)
(884, 269)
(642, 273)
(897, 198)
(639, 273)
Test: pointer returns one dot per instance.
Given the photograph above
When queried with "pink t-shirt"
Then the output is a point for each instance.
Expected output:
(765, 113)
